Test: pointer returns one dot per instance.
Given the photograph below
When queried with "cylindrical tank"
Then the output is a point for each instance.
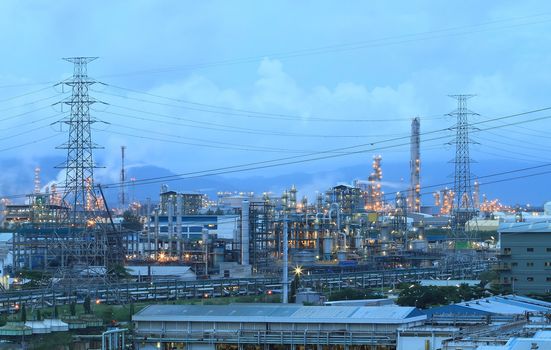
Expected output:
(327, 247)
(547, 208)
(358, 242)
(341, 255)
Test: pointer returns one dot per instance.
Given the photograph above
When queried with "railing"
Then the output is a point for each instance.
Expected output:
(152, 291)
(272, 337)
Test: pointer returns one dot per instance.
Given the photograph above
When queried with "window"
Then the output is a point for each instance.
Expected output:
(547, 264)
(530, 279)
(529, 249)
(548, 279)
(548, 250)
(514, 264)
(529, 264)
(507, 250)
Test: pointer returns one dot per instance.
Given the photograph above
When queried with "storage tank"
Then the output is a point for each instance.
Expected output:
(327, 247)
(547, 208)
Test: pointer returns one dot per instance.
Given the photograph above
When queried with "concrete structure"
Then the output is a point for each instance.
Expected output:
(525, 257)
(271, 326)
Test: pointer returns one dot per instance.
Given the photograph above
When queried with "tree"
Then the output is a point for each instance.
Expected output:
(294, 287)
(131, 311)
(38, 315)
(87, 306)
(73, 308)
(354, 294)
(56, 312)
(23, 313)
(130, 221)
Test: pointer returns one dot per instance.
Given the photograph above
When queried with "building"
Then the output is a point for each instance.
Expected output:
(349, 198)
(524, 263)
(472, 325)
(187, 203)
(271, 326)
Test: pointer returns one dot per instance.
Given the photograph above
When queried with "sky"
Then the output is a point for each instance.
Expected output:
(190, 86)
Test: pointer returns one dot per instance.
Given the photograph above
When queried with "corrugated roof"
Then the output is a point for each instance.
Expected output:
(525, 227)
(505, 305)
(286, 313)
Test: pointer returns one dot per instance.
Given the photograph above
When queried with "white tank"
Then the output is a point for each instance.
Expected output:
(547, 208)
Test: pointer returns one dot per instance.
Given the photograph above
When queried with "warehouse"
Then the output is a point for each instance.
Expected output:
(271, 326)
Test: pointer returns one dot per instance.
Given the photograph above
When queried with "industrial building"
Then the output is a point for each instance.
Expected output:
(524, 264)
(500, 321)
(271, 326)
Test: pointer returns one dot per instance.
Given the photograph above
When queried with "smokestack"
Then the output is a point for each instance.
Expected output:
(245, 234)
(415, 167)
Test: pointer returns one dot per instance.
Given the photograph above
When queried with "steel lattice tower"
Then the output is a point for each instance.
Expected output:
(79, 180)
(85, 244)
(463, 208)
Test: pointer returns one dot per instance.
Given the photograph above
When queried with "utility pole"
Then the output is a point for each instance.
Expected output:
(122, 194)
(463, 208)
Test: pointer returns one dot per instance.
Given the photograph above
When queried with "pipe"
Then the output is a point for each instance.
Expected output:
(285, 281)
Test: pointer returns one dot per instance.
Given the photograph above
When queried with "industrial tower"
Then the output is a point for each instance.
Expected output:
(82, 240)
(463, 208)
(414, 200)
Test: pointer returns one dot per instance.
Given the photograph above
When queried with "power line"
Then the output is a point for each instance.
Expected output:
(25, 94)
(248, 113)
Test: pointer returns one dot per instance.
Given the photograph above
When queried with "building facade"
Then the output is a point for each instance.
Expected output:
(271, 326)
(524, 262)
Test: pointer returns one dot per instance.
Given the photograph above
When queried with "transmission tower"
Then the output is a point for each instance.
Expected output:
(84, 244)
(463, 208)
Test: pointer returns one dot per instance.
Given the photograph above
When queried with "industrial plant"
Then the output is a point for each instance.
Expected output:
(358, 263)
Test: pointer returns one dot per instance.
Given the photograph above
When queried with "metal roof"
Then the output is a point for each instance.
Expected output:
(504, 305)
(281, 313)
(525, 227)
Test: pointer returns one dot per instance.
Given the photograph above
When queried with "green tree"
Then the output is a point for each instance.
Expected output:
(131, 311)
(119, 272)
(73, 308)
(354, 294)
(295, 285)
(23, 313)
(87, 305)
(38, 315)
(130, 221)
(56, 312)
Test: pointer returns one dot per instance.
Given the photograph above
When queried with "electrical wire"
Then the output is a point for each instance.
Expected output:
(237, 112)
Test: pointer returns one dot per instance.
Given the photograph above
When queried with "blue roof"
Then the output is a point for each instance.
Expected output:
(454, 310)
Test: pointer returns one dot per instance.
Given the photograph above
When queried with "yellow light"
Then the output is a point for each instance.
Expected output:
(98, 301)
(298, 270)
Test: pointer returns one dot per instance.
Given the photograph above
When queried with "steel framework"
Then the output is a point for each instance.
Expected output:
(73, 239)
(463, 208)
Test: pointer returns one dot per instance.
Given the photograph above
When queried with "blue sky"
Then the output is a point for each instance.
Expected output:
(296, 62)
